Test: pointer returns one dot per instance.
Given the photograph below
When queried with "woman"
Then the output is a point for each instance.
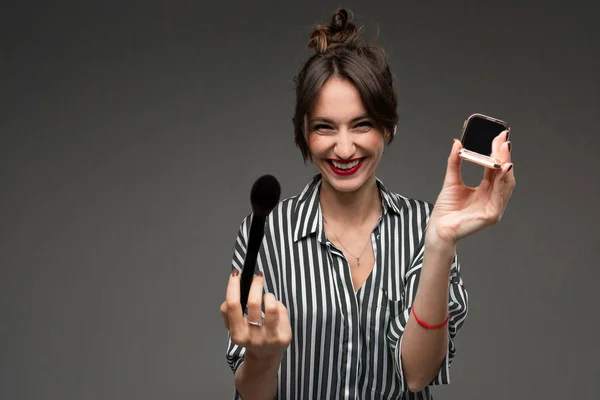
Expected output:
(361, 289)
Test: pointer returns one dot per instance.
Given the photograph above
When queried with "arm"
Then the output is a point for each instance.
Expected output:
(423, 350)
(434, 286)
(257, 379)
(254, 352)
(459, 212)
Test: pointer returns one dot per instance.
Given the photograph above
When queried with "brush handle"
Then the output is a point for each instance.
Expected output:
(257, 232)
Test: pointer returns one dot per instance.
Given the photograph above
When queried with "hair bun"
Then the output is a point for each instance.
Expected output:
(341, 32)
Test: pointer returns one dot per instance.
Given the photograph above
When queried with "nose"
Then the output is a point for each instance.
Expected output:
(344, 146)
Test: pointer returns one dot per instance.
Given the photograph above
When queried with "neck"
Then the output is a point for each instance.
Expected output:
(351, 208)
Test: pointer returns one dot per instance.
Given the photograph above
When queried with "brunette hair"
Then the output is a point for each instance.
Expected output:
(340, 53)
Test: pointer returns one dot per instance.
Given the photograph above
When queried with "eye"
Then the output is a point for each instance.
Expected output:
(363, 126)
(322, 128)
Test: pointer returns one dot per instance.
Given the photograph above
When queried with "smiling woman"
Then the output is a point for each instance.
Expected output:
(344, 143)
(341, 54)
(346, 265)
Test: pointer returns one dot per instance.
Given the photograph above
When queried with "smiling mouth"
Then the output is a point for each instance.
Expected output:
(345, 168)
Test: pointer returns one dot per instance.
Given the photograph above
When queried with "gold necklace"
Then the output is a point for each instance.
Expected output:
(338, 239)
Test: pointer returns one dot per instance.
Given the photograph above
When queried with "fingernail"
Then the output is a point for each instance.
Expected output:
(259, 273)
(235, 272)
(509, 168)
(509, 145)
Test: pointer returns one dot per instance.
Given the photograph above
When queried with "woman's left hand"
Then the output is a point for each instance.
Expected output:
(461, 210)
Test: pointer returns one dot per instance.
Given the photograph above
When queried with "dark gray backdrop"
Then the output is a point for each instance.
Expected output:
(130, 137)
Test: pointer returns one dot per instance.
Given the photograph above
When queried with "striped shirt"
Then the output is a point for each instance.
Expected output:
(345, 343)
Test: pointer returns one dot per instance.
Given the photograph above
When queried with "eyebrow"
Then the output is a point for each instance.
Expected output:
(329, 121)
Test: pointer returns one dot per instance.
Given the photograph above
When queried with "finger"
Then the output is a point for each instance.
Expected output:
(498, 191)
(234, 308)
(506, 157)
(503, 151)
(489, 177)
(224, 314)
(497, 144)
(453, 175)
(255, 296)
(509, 184)
(271, 312)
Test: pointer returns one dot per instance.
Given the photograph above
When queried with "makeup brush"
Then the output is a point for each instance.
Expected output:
(264, 196)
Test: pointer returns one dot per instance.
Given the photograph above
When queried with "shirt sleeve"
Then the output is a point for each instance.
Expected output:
(265, 261)
(235, 353)
(457, 308)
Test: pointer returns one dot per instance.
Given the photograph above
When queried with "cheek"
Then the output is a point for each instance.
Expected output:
(317, 144)
(376, 144)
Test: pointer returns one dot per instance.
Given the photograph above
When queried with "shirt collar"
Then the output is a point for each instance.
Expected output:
(308, 208)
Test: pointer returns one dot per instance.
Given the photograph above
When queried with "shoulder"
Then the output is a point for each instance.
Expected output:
(405, 205)
(412, 204)
(303, 202)
(290, 203)
(285, 210)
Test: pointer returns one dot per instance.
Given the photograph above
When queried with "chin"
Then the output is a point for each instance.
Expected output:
(344, 188)
(345, 185)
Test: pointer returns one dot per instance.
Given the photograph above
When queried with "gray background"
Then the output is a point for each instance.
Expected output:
(131, 135)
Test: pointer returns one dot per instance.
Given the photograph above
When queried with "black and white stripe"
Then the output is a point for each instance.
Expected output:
(346, 344)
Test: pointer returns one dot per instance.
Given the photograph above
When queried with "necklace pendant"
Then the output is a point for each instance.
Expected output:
(358, 261)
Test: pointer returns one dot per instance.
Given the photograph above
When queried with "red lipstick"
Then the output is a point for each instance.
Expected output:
(345, 172)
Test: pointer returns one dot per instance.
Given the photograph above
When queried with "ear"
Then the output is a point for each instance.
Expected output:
(305, 126)
(389, 136)
(308, 157)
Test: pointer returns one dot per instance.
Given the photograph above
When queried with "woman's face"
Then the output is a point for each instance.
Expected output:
(345, 144)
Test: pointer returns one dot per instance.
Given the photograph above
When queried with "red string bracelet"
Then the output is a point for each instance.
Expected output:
(425, 325)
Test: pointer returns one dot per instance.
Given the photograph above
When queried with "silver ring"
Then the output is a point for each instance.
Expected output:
(255, 323)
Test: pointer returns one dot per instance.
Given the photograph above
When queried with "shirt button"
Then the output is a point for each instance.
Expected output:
(377, 236)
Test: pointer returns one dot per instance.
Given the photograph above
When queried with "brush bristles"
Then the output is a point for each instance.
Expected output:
(264, 195)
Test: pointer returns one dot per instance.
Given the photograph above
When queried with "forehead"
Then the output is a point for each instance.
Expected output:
(338, 100)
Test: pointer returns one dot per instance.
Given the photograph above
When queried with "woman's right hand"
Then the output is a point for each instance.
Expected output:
(264, 343)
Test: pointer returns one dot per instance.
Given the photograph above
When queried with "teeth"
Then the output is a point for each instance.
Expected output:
(345, 166)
